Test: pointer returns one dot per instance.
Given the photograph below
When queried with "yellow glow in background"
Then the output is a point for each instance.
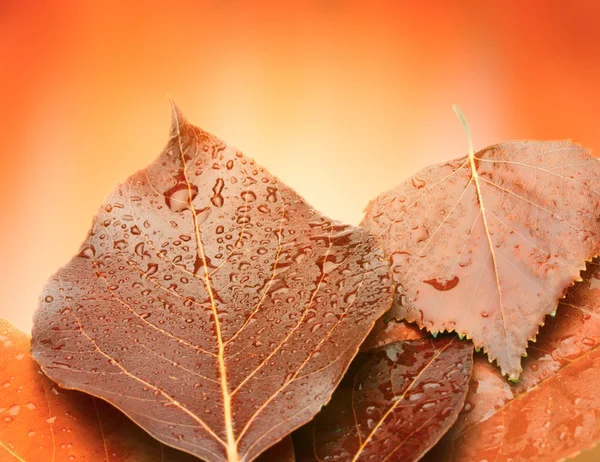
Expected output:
(340, 99)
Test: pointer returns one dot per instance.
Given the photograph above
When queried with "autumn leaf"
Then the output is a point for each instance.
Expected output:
(395, 402)
(486, 244)
(210, 303)
(42, 422)
(552, 412)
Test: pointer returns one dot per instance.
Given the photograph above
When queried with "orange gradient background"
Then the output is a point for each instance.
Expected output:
(340, 99)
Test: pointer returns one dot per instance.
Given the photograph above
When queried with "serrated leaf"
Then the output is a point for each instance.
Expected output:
(552, 412)
(210, 302)
(488, 243)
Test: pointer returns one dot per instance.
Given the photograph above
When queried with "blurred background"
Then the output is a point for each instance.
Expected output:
(340, 99)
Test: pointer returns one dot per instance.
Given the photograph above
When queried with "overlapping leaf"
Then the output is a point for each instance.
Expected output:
(487, 244)
(552, 412)
(41, 422)
(210, 303)
(395, 402)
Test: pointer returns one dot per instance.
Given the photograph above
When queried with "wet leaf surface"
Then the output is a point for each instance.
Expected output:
(210, 303)
(42, 422)
(488, 243)
(553, 411)
(395, 402)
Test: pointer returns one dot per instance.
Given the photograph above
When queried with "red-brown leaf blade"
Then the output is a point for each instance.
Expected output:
(211, 303)
(41, 422)
(552, 412)
(487, 244)
(394, 403)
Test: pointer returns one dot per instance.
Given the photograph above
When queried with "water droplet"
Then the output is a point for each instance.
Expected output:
(152, 268)
(327, 264)
(49, 299)
(443, 284)
(202, 215)
(217, 199)
(419, 234)
(248, 196)
(120, 244)
(87, 251)
(271, 194)
(417, 183)
(179, 197)
(350, 297)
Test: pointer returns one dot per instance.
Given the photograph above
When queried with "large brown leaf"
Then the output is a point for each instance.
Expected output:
(210, 303)
(395, 402)
(553, 411)
(488, 243)
(41, 422)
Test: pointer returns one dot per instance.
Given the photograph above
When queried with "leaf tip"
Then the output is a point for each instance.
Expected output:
(177, 117)
(465, 125)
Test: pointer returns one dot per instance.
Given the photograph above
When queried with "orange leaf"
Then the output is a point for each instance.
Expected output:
(488, 243)
(41, 422)
(552, 412)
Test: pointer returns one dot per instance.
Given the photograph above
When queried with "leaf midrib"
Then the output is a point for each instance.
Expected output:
(475, 176)
(231, 447)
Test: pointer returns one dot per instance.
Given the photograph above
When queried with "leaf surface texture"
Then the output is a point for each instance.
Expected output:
(210, 302)
(488, 243)
(41, 422)
(395, 402)
(552, 412)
